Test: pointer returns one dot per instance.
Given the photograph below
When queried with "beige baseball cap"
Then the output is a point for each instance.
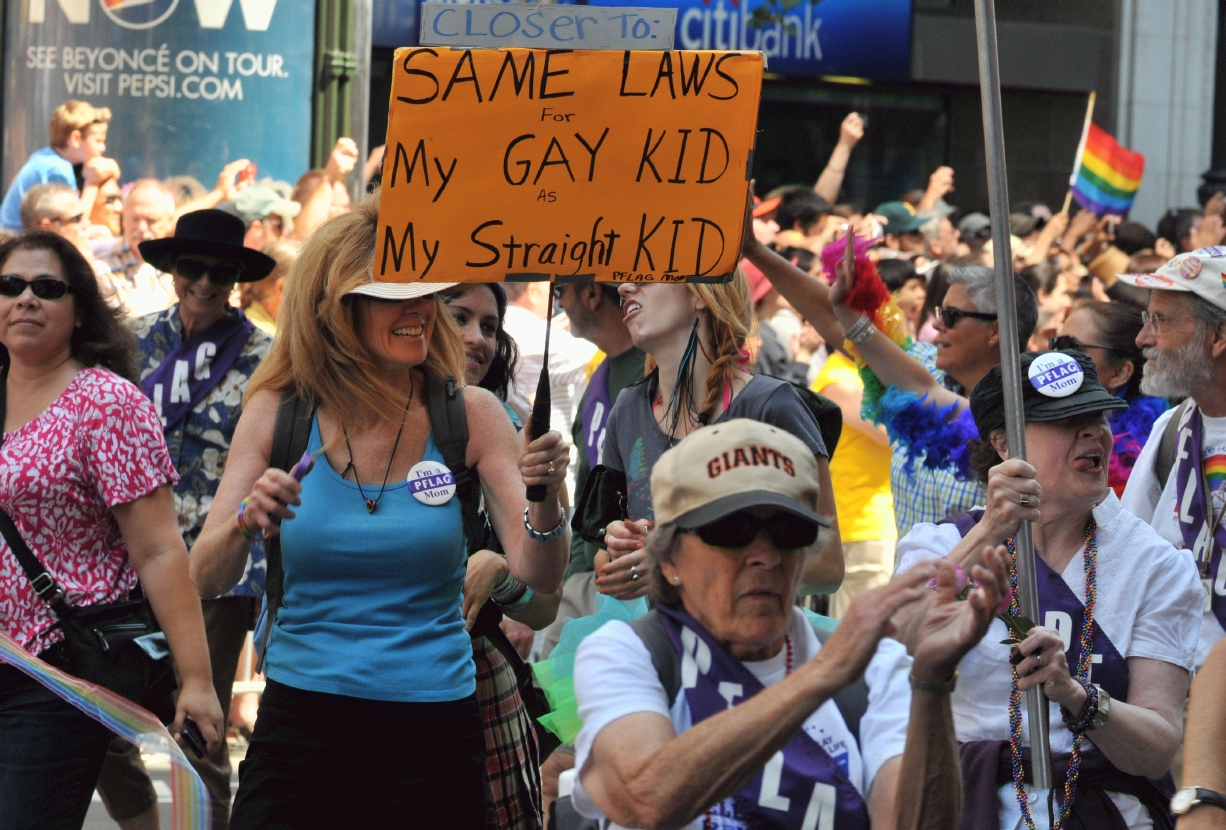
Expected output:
(1202, 272)
(382, 290)
(730, 466)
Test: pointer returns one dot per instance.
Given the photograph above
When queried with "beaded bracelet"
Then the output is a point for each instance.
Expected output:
(518, 605)
(857, 328)
(510, 590)
(253, 535)
(862, 334)
(1081, 723)
(537, 536)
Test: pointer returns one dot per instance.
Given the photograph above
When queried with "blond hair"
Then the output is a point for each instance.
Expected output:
(75, 115)
(317, 350)
(730, 317)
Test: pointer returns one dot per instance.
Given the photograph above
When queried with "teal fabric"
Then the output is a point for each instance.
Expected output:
(372, 600)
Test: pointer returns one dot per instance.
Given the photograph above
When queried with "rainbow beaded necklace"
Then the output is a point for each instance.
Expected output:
(1090, 558)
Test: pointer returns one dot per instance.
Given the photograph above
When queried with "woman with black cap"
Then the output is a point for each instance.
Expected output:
(1119, 616)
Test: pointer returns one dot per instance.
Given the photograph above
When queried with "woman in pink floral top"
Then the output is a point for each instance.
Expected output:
(85, 476)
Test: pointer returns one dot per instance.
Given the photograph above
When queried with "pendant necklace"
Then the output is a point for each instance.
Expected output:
(371, 504)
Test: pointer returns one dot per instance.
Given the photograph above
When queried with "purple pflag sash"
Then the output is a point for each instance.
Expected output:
(190, 372)
(801, 786)
(596, 408)
(1193, 513)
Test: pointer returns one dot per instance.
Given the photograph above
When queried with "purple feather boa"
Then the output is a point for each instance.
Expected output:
(1131, 428)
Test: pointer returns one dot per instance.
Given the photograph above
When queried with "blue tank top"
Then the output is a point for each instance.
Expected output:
(372, 600)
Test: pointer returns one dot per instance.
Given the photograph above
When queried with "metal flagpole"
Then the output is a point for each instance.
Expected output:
(1011, 370)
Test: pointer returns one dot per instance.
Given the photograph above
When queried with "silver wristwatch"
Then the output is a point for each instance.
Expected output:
(1190, 797)
(1104, 710)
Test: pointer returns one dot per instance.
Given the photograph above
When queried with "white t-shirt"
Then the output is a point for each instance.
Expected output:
(568, 359)
(1148, 606)
(1144, 498)
(614, 677)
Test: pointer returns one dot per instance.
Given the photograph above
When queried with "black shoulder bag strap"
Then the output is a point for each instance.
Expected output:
(290, 436)
(1164, 461)
(852, 700)
(45, 586)
(449, 422)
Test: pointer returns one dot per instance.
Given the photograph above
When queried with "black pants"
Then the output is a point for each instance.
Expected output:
(50, 755)
(320, 760)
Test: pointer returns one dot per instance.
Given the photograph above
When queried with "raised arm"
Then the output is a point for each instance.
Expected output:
(831, 180)
(504, 472)
(1204, 747)
(641, 774)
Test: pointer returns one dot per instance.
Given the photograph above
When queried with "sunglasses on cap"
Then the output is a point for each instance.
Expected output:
(739, 529)
(45, 288)
(1065, 342)
(220, 273)
(951, 316)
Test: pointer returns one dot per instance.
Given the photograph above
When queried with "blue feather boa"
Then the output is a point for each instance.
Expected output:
(938, 434)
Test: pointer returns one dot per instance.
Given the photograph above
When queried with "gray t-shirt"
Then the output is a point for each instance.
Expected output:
(634, 441)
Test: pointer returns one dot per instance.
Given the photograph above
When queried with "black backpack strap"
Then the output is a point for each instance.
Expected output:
(449, 423)
(290, 436)
(852, 700)
(45, 586)
(1164, 461)
(664, 657)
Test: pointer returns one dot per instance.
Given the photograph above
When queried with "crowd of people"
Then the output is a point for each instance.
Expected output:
(772, 552)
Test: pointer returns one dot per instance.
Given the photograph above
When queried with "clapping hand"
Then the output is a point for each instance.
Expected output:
(949, 627)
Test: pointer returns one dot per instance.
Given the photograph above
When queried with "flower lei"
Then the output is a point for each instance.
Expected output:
(1018, 626)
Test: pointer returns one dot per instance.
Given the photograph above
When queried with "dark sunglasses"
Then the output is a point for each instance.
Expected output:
(220, 273)
(951, 316)
(738, 530)
(1067, 342)
(45, 288)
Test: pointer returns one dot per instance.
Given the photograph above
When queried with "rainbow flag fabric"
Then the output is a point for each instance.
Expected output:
(1106, 177)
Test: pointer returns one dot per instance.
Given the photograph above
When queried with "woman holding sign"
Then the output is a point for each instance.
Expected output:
(370, 672)
(695, 337)
(1120, 615)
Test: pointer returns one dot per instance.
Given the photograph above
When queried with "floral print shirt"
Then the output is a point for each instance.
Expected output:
(98, 445)
(200, 443)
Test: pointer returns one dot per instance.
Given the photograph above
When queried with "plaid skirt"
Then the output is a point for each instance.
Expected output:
(512, 762)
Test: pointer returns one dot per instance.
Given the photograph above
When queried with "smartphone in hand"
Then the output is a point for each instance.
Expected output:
(194, 739)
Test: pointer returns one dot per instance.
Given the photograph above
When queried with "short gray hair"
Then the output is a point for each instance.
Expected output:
(660, 546)
(41, 202)
(1208, 315)
(980, 284)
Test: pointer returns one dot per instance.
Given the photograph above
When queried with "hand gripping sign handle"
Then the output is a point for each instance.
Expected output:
(542, 405)
(1011, 370)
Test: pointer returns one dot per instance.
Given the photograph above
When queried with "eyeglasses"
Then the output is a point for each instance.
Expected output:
(220, 273)
(114, 201)
(1066, 342)
(738, 530)
(951, 316)
(45, 288)
(1157, 321)
(70, 220)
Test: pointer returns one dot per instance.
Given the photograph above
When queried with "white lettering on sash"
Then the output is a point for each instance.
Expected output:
(178, 386)
(1185, 435)
(772, 775)
(204, 356)
(1219, 587)
(730, 692)
(1063, 623)
(1095, 659)
(597, 423)
(157, 401)
(821, 808)
(695, 658)
(1201, 550)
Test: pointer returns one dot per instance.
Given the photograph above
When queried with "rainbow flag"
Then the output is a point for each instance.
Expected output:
(1105, 176)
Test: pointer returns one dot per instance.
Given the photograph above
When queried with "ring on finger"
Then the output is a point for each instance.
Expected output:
(634, 573)
(1024, 501)
(552, 470)
(1038, 658)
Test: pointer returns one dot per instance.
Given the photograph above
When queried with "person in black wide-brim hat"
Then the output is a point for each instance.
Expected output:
(195, 359)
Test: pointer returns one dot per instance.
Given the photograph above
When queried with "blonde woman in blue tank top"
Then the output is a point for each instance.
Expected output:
(369, 718)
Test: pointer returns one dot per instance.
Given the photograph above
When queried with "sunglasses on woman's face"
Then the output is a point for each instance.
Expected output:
(1066, 342)
(738, 530)
(951, 316)
(45, 288)
(220, 273)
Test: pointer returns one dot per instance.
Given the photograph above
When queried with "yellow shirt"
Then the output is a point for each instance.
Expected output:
(860, 469)
(262, 319)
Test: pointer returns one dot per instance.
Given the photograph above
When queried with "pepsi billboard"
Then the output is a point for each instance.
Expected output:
(858, 38)
(191, 84)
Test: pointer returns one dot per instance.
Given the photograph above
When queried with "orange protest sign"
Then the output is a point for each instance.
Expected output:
(534, 164)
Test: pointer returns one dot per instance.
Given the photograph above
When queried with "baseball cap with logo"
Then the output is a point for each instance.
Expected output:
(1202, 272)
(731, 466)
(899, 217)
(1055, 386)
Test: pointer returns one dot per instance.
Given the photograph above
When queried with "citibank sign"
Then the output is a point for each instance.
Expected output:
(145, 14)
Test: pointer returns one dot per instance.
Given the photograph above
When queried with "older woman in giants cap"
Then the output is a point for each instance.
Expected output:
(1119, 614)
(725, 707)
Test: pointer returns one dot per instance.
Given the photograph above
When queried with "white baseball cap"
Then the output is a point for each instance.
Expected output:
(1202, 272)
(382, 290)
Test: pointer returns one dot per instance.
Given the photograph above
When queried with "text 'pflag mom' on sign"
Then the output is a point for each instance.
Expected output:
(530, 164)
